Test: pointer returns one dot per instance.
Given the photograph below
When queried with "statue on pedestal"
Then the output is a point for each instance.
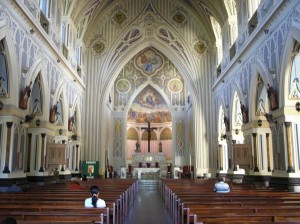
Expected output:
(160, 147)
(137, 147)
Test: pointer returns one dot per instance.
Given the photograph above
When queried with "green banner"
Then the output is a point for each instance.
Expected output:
(90, 169)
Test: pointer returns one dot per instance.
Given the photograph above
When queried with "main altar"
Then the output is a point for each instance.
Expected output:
(148, 163)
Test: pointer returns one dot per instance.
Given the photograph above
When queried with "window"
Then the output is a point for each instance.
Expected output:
(3, 72)
(252, 7)
(45, 7)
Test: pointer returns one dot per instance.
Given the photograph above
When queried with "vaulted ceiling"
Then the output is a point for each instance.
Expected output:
(86, 14)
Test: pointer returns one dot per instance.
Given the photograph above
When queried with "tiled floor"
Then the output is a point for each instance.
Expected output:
(148, 207)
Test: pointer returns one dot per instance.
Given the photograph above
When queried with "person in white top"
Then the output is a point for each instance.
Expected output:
(94, 201)
(221, 186)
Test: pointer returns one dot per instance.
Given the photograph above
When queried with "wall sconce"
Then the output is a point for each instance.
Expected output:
(259, 122)
(38, 122)
(31, 31)
(236, 131)
(1, 105)
(60, 131)
(297, 106)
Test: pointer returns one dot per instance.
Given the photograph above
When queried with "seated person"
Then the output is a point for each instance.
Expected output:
(221, 186)
(14, 188)
(94, 201)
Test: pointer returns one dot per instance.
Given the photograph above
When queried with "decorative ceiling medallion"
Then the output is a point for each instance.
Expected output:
(119, 17)
(200, 47)
(149, 19)
(179, 18)
(175, 85)
(98, 47)
(149, 62)
(123, 86)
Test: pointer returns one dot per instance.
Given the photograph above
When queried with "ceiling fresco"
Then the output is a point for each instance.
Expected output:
(149, 68)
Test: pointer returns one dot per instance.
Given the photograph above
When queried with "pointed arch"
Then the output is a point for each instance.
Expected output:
(38, 69)
(293, 35)
(61, 92)
(259, 69)
(12, 64)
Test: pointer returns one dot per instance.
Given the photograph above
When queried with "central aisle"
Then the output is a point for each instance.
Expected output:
(148, 207)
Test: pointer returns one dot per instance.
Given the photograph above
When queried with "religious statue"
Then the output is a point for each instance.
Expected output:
(71, 123)
(226, 122)
(273, 98)
(25, 94)
(53, 112)
(160, 147)
(244, 113)
(137, 146)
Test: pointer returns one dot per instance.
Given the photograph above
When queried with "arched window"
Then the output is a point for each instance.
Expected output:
(252, 7)
(295, 76)
(3, 72)
(237, 113)
(36, 97)
(261, 98)
(45, 7)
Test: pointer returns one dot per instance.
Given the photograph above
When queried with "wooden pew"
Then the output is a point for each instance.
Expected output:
(193, 201)
(57, 203)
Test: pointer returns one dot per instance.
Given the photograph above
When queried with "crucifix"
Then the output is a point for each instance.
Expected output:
(148, 129)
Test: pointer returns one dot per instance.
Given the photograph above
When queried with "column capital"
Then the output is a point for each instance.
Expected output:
(287, 124)
(9, 124)
(43, 135)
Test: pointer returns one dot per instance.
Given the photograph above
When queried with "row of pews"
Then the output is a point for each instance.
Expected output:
(61, 203)
(194, 201)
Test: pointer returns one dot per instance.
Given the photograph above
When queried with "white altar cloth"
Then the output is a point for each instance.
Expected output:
(139, 171)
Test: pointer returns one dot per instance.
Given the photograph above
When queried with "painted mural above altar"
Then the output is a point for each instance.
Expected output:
(149, 61)
(149, 105)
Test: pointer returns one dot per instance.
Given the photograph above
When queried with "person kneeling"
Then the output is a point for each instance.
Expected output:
(221, 186)
(94, 201)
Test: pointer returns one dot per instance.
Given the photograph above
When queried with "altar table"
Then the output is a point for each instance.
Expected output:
(139, 171)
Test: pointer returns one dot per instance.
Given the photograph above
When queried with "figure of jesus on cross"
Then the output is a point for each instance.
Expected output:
(149, 129)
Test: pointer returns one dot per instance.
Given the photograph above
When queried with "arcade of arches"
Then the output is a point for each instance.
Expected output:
(216, 81)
